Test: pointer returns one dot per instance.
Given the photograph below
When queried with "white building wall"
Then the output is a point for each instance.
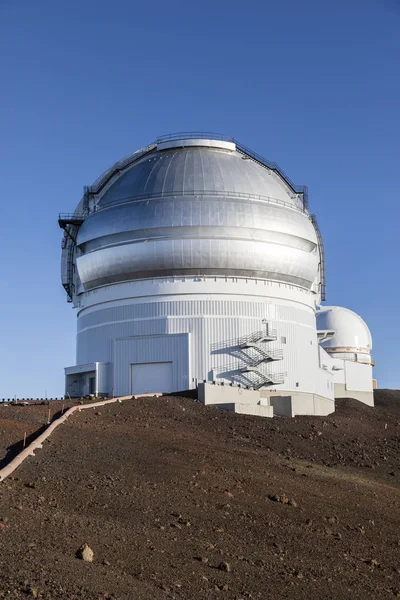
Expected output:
(221, 311)
(358, 376)
(351, 379)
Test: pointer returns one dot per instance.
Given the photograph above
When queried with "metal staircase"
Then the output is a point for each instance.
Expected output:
(263, 355)
(258, 379)
(257, 337)
(255, 355)
(70, 223)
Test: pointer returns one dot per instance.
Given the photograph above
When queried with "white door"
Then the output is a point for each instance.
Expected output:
(148, 378)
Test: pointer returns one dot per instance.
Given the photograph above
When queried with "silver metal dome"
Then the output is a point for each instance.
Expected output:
(198, 170)
(196, 207)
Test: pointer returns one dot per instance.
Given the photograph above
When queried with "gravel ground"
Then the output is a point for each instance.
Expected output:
(181, 501)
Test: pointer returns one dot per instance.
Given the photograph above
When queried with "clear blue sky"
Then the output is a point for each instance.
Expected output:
(311, 85)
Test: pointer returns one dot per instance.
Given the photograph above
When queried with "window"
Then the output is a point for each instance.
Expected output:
(283, 339)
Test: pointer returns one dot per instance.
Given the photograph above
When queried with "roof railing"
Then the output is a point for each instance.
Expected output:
(298, 189)
(313, 220)
(224, 194)
(185, 135)
(72, 216)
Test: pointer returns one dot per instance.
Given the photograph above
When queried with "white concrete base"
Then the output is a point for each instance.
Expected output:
(249, 409)
(365, 397)
(226, 394)
(236, 399)
(263, 402)
(292, 404)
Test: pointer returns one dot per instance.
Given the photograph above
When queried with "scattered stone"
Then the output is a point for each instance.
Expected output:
(309, 522)
(30, 590)
(30, 484)
(361, 530)
(85, 553)
(282, 499)
(273, 497)
(297, 574)
(225, 566)
(372, 563)
(221, 587)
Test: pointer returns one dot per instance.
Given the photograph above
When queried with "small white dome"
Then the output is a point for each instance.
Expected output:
(351, 332)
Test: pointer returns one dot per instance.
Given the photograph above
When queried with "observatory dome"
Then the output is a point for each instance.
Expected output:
(351, 332)
(196, 207)
(196, 260)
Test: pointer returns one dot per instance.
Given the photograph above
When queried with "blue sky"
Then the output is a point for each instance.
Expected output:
(311, 85)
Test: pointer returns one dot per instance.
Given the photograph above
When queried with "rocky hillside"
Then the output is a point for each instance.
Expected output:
(180, 501)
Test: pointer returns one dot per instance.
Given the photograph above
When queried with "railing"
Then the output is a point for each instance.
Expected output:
(275, 378)
(269, 354)
(118, 166)
(72, 217)
(105, 177)
(253, 337)
(313, 219)
(299, 189)
(241, 363)
(28, 401)
(258, 379)
(186, 135)
(215, 193)
(38, 442)
(250, 337)
(70, 223)
(182, 135)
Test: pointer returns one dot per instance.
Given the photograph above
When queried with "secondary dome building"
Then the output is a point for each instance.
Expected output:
(195, 260)
(347, 343)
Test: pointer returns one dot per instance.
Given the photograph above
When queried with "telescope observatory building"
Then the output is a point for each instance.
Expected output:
(196, 260)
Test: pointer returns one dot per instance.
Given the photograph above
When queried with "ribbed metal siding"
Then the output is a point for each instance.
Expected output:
(211, 323)
(181, 308)
(151, 349)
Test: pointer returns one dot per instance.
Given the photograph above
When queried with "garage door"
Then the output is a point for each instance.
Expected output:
(147, 378)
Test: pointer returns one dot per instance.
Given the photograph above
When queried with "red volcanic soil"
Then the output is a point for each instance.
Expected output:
(181, 501)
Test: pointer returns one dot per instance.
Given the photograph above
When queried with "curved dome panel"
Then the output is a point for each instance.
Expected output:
(197, 170)
(351, 331)
(197, 211)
